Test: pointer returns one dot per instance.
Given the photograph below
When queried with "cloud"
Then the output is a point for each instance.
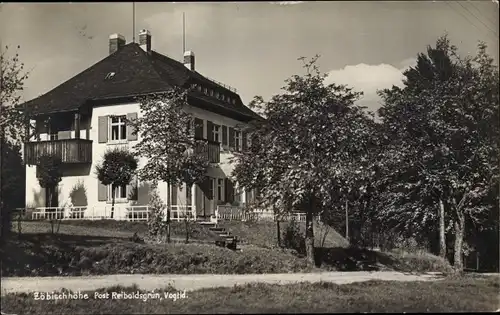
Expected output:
(369, 79)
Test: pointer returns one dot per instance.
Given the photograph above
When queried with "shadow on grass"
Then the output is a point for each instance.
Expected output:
(353, 259)
(45, 253)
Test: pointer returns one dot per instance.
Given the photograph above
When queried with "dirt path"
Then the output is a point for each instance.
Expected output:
(194, 282)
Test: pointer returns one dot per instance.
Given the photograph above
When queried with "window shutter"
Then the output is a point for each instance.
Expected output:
(224, 135)
(198, 128)
(210, 127)
(131, 135)
(244, 140)
(231, 137)
(229, 190)
(174, 194)
(102, 191)
(102, 129)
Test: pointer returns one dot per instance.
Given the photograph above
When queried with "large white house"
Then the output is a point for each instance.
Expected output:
(84, 116)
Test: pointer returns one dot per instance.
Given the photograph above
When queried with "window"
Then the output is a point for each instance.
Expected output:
(220, 189)
(216, 133)
(217, 94)
(237, 140)
(199, 88)
(118, 128)
(205, 90)
(120, 193)
(211, 92)
(233, 101)
(109, 76)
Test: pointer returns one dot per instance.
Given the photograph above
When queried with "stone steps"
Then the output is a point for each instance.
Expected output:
(225, 238)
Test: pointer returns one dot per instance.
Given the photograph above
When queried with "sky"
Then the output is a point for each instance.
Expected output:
(251, 46)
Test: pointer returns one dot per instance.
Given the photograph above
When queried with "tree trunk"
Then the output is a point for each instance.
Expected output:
(442, 231)
(186, 224)
(112, 200)
(310, 237)
(50, 206)
(278, 231)
(168, 212)
(346, 221)
(459, 237)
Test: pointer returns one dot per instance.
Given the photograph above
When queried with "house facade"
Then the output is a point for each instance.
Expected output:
(87, 115)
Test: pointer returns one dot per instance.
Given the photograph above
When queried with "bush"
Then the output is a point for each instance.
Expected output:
(293, 238)
(156, 226)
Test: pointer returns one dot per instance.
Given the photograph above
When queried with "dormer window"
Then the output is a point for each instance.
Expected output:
(199, 88)
(211, 92)
(217, 94)
(109, 76)
(205, 90)
(223, 97)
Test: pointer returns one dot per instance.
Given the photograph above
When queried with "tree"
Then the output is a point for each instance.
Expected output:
(12, 114)
(443, 131)
(12, 182)
(49, 175)
(168, 144)
(117, 169)
(306, 148)
(155, 219)
(12, 77)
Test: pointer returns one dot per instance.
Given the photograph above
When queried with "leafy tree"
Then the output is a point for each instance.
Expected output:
(12, 114)
(49, 175)
(12, 182)
(305, 150)
(443, 136)
(168, 144)
(117, 169)
(12, 77)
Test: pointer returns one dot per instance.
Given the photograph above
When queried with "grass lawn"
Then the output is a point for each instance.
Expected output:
(263, 233)
(113, 229)
(104, 247)
(450, 295)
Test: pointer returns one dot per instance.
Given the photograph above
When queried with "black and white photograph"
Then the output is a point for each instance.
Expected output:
(249, 157)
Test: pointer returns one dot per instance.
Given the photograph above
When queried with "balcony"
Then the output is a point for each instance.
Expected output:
(209, 149)
(71, 151)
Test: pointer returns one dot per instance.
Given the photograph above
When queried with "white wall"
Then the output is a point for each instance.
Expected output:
(83, 178)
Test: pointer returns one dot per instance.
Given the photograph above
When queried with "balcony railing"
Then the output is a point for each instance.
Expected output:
(68, 150)
(209, 149)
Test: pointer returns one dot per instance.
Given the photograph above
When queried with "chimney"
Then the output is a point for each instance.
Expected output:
(145, 40)
(189, 60)
(116, 42)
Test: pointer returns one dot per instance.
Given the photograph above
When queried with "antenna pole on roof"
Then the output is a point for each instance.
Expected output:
(183, 33)
(133, 22)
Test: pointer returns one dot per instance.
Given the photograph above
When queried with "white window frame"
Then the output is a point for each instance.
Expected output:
(221, 189)
(121, 122)
(237, 140)
(217, 131)
(118, 191)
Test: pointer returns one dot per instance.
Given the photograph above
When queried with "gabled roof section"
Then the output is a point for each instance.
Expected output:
(132, 72)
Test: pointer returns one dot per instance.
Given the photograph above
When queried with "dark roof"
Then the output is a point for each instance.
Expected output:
(136, 73)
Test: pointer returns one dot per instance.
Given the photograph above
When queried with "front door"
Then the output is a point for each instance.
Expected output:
(204, 198)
